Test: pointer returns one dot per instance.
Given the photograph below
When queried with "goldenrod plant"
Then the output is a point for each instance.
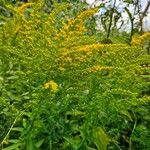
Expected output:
(61, 89)
(141, 39)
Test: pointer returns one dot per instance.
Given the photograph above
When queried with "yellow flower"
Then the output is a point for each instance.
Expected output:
(97, 68)
(53, 86)
(141, 39)
(24, 6)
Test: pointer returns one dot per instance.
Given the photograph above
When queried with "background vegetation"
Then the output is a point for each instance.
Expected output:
(62, 86)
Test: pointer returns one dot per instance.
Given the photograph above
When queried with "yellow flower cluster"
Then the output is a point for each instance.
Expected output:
(76, 55)
(23, 7)
(90, 47)
(74, 27)
(87, 13)
(97, 68)
(53, 86)
(71, 29)
(140, 40)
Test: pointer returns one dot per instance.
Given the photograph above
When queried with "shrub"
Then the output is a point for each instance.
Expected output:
(62, 90)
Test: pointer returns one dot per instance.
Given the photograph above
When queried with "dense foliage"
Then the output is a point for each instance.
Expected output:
(60, 88)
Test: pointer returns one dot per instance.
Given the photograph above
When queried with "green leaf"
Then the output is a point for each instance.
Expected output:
(1, 78)
(29, 144)
(127, 114)
(100, 138)
(39, 143)
(75, 113)
(17, 129)
(12, 147)
(74, 142)
(12, 78)
(13, 141)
